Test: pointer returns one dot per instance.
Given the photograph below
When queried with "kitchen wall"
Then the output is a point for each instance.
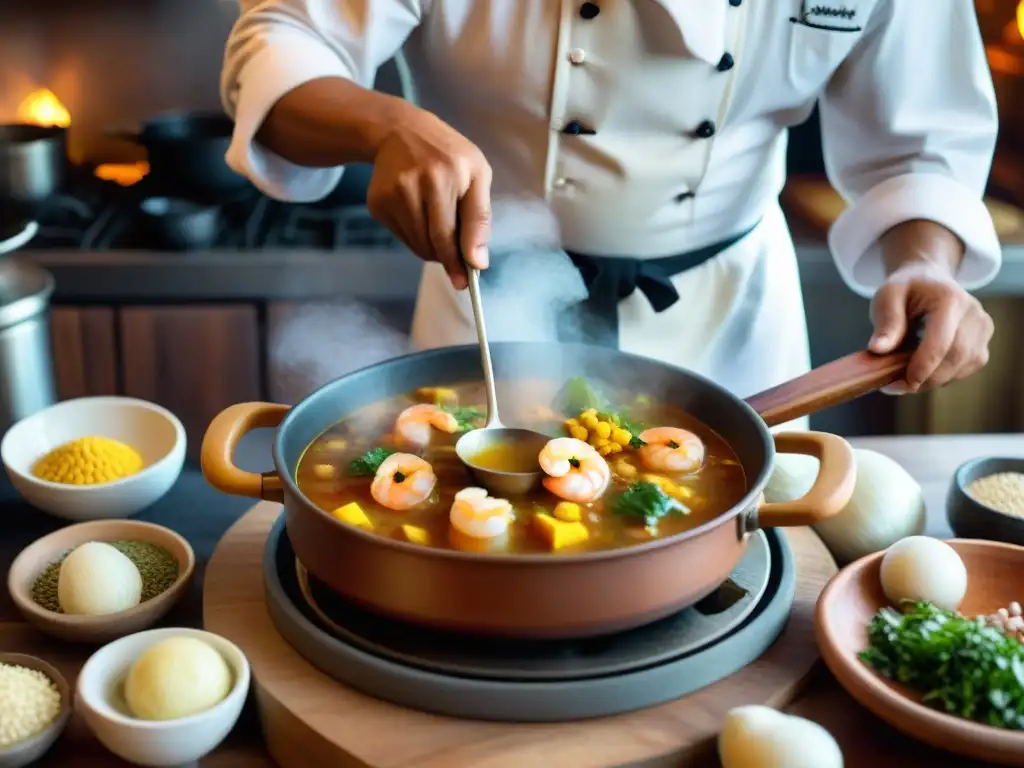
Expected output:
(112, 63)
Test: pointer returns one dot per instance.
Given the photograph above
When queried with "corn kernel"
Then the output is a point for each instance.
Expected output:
(589, 420)
(570, 423)
(578, 432)
(604, 450)
(603, 429)
(568, 512)
(614, 447)
(621, 437)
(352, 514)
(599, 442)
(588, 412)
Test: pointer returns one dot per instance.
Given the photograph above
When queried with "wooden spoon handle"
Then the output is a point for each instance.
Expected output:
(837, 382)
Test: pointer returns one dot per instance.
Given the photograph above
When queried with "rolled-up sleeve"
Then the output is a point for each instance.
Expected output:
(909, 127)
(278, 45)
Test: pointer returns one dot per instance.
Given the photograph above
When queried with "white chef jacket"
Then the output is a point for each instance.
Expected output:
(656, 127)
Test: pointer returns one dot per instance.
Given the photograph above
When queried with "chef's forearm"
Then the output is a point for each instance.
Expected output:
(924, 243)
(329, 122)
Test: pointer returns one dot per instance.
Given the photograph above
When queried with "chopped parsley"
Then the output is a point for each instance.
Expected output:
(960, 665)
(648, 502)
(368, 464)
(468, 416)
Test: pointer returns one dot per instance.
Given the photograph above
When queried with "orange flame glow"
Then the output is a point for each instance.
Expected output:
(42, 107)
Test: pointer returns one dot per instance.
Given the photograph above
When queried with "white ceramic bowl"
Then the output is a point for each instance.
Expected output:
(153, 431)
(148, 742)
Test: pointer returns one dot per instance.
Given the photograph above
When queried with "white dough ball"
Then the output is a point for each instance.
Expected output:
(762, 737)
(96, 579)
(177, 677)
(920, 568)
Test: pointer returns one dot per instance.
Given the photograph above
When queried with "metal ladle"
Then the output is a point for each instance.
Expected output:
(493, 432)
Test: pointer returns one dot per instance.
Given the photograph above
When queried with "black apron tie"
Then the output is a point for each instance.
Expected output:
(610, 279)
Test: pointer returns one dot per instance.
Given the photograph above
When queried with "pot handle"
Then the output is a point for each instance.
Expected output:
(218, 451)
(832, 488)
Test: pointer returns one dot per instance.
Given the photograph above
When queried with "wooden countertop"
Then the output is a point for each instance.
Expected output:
(866, 742)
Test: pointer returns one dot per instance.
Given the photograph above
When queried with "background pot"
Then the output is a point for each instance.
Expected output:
(186, 154)
(33, 164)
(540, 595)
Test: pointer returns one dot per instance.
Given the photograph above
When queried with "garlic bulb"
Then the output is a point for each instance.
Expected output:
(96, 579)
(920, 568)
(761, 737)
(887, 504)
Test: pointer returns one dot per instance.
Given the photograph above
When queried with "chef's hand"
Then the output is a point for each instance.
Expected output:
(957, 332)
(432, 188)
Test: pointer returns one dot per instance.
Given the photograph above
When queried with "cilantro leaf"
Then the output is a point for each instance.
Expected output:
(468, 416)
(368, 464)
(646, 501)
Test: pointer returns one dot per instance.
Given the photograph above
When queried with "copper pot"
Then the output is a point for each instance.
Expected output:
(541, 596)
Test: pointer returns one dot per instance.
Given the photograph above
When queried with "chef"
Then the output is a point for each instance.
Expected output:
(655, 130)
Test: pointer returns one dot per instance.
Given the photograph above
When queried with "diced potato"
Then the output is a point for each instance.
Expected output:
(353, 514)
(323, 471)
(336, 444)
(416, 535)
(568, 512)
(624, 469)
(437, 395)
(559, 534)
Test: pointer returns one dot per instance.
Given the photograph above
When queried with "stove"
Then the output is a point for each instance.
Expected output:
(93, 214)
(530, 680)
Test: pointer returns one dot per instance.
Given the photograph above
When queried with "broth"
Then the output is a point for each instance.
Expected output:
(337, 470)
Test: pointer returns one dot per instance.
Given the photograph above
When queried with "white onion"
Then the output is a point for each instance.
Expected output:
(761, 737)
(887, 504)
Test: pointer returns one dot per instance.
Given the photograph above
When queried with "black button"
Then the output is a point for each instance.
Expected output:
(705, 130)
(735, 3)
(578, 129)
(726, 63)
(589, 10)
(682, 197)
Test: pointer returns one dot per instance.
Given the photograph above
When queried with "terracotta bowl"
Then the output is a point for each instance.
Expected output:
(29, 751)
(96, 629)
(855, 595)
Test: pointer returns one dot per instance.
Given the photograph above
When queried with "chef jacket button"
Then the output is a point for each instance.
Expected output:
(735, 3)
(726, 63)
(589, 10)
(682, 197)
(577, 55)
(577, 129)
(705, 130)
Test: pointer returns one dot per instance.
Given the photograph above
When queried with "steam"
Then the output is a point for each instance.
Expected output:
(528, 294)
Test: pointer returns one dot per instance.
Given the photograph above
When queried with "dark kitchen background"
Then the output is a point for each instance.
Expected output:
(197, 295)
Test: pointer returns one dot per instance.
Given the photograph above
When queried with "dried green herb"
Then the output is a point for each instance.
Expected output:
(961, 665)
(157, 566)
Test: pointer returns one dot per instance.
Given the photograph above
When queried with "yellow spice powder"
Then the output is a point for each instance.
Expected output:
(88, 461)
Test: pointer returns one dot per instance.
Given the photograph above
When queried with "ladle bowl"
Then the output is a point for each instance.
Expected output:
(498, 482)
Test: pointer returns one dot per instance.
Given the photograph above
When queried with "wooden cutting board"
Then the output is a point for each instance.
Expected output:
(815, 202)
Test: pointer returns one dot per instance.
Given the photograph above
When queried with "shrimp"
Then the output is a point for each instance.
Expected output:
(670, 449)
(403, 481)
(576, 471)
(414, 424)
(480, 516)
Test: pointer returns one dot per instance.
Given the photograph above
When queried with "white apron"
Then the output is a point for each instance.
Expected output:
(739, 319)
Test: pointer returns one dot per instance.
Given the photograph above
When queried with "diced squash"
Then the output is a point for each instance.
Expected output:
(559, 534)
(568, 512)
(437, 395)
(336, 444)
(416, 535)
(353, 514)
